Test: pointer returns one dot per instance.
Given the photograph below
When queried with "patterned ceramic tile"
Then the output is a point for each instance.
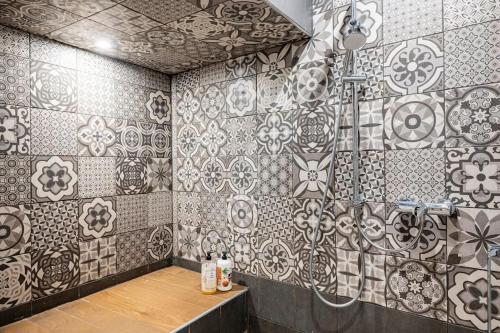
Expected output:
(132, 212)
(96, 95)
(189, 242)
(313, 84)
(466, 237)
(467, 294)
(320, 45)
(16, 230)
(471, 116)
(97, 218)
(14, 42)
(369, 14)
(96, 176)
(275, 132)
(213, 138)
(274, 90)
(348, 272)
(188, 108)
(96, 136)
(414, 121)
(406, 19)
(62, 259)
(97, 258)
(187, 206)
(188, 176)
(313, 129)
(305, 220)
(158, 107)
(241, 67)
(187, 80)
(212, 73)
(275, 175)
(320, 6)
(243, 215)
(14, 80)
(471, 55)
(46, 50)
(157, 80)
(460, 13)
(276, 259)
(372, 222)
(275, 58)
(53, 133)
(213, 100)
(47, 18)
(310, 172)
(160, 242)
(54, 178)
(371, 62)
(243, 252)
(159, 174)
(131, 250)
(18, 284)
(162, 11)
(131, 175)
(371, 126)
(416, 286)
(123, 19)
(324, 269)
(213, 211)
(241, 97)
(275, 218)
(53, 87)
(15, 183)
(241, 135)
(472, 177)
(132, 100)
(159, 208)
(83, 7)
(214, 175)
(242, 174)
(415, 174)
(372, 180)
(414, 66)
(401, 229)
(215, 241)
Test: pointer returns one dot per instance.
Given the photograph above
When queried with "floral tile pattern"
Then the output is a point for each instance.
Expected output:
(241, 67)
(324, 269)
(414, 121)
(14, 42)
(16, 137)
(53, 133)
(313, 84)
(471, 115)
(416, 286)
(472, 176)
(458, 14)
(320, 45)
(54, 178)
(158, 106)
(160, 241)
(241, 98)
(274, 90)
(242, 216)
(313, 129)
(414, 66)
(97, 218)
(469, 234)
(46, 50)
(467, 288)
(159, 208)
(275, 175)
(97, 258)
(305, 220)
(16, 225)
(131, 175)
(159, 174)
(241, 135)
(15, 182)
(276, 259)
(275, 132)
(310, 172)
(96, 136)
(18, 284)
(213, 100)
(96, 94)
(189, 242)
(14, 79)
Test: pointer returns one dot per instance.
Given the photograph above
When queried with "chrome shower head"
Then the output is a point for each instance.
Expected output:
(354, 37)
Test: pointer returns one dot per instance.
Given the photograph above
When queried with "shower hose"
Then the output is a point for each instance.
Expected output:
(358, 209)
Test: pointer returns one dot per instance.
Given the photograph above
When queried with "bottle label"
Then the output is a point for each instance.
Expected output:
(209, 279)
(224, 277)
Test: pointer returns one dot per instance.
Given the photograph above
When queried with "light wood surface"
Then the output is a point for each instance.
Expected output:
(158, 302)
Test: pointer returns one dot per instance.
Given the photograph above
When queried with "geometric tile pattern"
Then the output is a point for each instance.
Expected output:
(131, 248)
(159, 208)
(16, 230)
(15, 184)
(54, 178)
(275, 218)
(15, 138)
(132, 212)
(160, 241)
(96, 136)
(461, 13)
(97, 258)
(97, 218)
(131, 175)
(15, 272)
(96, 176)
(14, 80)
(53, 133)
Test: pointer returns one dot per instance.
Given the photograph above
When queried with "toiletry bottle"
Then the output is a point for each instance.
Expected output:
(208, 276)
(224, 273)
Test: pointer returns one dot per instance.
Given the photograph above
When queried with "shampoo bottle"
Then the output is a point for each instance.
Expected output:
(224, 273)
(208, 276)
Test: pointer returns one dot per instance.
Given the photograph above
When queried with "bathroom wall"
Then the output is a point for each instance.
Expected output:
(251, 151)
(85, 172)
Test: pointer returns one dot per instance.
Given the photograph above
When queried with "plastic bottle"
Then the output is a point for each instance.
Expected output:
(224, 273)
(208, 276)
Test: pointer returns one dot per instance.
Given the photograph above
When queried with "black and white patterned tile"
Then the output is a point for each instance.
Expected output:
(275, 133)
(243, 252)
(212, 138)
(275, 218)
(96, 94)
(14, 42)
(84, 7)
(414, 66)
(215, 241)
(188, 139)
(123, 19)
(467, 292)
(131, 175)
(189, 242)
(349, 270)
(17, 135)
(97, 258)
(96, 136)
(214, 175)
(16, 225)
(415, 174)
(97, 218)
(157, 80)
(372, 222)
(53, 133)
(159, 208)
(313, 129)
(15, 182)
(276, 259)
(54, 178)
(466, 237)
(416, 286)
(472, 176)
(162, 11)
(132, 100)
(241, 67)
(53, 87)
(241, 135)
(131, 250)
(14, 79)
(188, 176)
(158, 106)
(242, 174)
(54, 223)
(242, 216)
(275, 175)
(371, 62)
(471, 116)
(461, 13)
(320, 45)
(274, 90)
(96, 177)
(132, 212)
(305, 221)
(18, 283)
(49, 51)
(313, 84)
(401, 229)
(63, 259)
(414, 121)
(406, 19)
(159, 174)
(213, 100)
(471, 55)
(241, 97)
(160, 242)
(212, 73)
(324, 267)
(310, 173)
(278, 57)
(187, 208)
(213, 211)
(188, 108)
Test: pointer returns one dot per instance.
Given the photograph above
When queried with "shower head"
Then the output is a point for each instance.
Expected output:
(354, 38)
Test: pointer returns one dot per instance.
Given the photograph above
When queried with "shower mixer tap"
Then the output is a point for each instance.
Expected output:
(442, 208)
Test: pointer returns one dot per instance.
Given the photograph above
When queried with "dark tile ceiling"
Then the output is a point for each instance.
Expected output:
(166, 35)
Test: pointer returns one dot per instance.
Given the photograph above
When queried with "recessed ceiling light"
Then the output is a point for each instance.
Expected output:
(104, 44)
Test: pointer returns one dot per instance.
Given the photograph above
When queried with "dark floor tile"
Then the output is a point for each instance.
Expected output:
(209, 323)
(311, 314)
(14, 314)
(234, 316)
(52, 301)
(361, 317)
(398, 321)
(132, 274)
(98, 285)
(258, 325)
(252, 283)
(276, 302)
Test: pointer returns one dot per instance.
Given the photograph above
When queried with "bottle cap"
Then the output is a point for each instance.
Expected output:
(224, 255)
(209, 256)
